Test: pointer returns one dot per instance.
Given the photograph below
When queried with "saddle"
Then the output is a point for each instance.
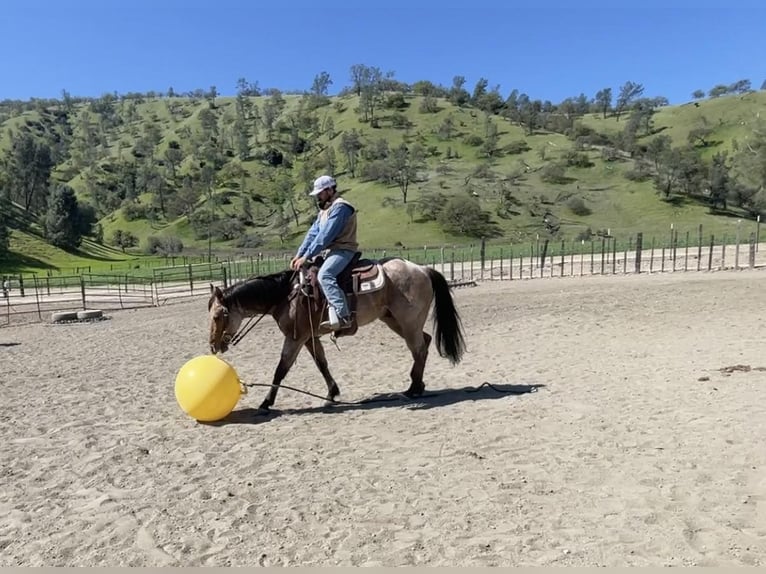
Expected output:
(360, 276)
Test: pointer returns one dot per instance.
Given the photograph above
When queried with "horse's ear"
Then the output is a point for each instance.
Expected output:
(216, 292)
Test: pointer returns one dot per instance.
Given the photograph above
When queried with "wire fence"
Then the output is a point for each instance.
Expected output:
(33, 298)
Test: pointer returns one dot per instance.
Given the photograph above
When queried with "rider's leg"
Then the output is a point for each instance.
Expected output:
(333, 265)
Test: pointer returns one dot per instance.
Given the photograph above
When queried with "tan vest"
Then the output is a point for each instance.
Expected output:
(347, 237)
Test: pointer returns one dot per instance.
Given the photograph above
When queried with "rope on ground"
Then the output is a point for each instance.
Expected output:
(380, 399)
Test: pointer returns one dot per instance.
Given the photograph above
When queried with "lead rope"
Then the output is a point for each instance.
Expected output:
(386, 399)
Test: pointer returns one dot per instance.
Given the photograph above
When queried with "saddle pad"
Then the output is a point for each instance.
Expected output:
(373, 284)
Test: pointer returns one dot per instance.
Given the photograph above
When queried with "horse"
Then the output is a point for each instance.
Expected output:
(393, 290)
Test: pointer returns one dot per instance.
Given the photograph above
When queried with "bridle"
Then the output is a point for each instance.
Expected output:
(243, 330)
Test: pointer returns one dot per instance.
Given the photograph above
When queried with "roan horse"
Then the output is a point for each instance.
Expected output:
(396, 291)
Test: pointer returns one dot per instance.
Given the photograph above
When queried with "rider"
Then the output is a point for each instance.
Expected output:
(334, 232)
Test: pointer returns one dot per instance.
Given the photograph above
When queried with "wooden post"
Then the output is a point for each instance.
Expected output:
(723, 252)
(710, 254)
(191, 281)
(736, 252)
(686, 253)
(82, 290)
(699, 247)
(639, 247)
(542, 258)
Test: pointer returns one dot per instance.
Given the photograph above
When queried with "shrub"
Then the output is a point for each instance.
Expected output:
(578, 207)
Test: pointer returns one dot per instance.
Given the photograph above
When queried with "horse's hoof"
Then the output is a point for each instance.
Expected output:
(413, 393)
(263, 410)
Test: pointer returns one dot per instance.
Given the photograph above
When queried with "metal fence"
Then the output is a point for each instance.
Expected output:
(34, 299)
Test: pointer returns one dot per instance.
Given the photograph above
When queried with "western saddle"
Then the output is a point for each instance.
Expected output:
(357, 272)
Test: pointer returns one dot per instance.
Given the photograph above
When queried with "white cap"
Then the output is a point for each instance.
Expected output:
(321, 183)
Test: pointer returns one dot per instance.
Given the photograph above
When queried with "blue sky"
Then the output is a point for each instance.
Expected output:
(550, 49)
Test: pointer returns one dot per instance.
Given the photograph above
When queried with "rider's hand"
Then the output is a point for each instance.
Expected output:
(297, 262)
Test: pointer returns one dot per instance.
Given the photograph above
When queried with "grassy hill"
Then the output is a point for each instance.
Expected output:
(595, 196)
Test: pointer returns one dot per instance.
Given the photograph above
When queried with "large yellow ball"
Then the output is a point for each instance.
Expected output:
(207, 388)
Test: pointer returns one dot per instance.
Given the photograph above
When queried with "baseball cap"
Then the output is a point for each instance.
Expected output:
(321, 183)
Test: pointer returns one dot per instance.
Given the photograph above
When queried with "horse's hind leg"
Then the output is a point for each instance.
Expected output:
(290, 350)
(316, 350)
(418, 343)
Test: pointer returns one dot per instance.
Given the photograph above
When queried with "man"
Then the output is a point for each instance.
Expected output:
(333, 231)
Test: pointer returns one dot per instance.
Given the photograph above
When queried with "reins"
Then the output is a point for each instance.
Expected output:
(246, 328)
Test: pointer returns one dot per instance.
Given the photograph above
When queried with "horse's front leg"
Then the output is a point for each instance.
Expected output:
(290, 350)
(316, 350)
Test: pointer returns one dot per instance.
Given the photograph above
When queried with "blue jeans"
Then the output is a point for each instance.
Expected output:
(335, 262)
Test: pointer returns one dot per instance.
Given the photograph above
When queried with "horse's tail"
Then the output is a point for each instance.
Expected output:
(448, 329)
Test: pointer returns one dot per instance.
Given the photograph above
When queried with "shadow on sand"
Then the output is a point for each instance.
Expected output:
(432, 399)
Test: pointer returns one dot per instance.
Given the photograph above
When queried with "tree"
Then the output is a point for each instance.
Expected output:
(698, 94)
(458, 95)
(404, 164)
(479, 90)
(123, 239)
(321, 84)
(27, 165)
(5, 233)
(62, 222)
(350, 145)
(629, 91)
(463, 215)
(719, 181)
(700, 132)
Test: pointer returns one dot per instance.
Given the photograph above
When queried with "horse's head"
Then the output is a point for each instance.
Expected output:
(224, 321)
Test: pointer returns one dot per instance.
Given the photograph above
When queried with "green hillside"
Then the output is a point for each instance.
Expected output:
(191, 174)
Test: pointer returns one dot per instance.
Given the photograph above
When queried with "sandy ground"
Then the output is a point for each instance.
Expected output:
(630, 446)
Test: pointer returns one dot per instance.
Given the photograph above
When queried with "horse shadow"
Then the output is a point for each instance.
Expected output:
(430, 400)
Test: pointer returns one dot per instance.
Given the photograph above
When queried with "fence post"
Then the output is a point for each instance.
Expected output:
(624, 257)
(225, 276)
(37, 298)
(542, 258)
(710, 254)
(686, 253)
(21, 285)
(752, 250)
(82, 290)
(482, 249)
(699, 247)
(191, 282)
(736, 252)
(603, 247)
(639, 247)
(723, 253)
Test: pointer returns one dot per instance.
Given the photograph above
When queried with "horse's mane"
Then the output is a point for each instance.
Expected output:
(265, 290)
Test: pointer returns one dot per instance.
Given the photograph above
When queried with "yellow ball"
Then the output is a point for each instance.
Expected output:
(207, 388)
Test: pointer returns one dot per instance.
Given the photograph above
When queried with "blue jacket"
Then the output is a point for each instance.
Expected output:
(320, 234)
